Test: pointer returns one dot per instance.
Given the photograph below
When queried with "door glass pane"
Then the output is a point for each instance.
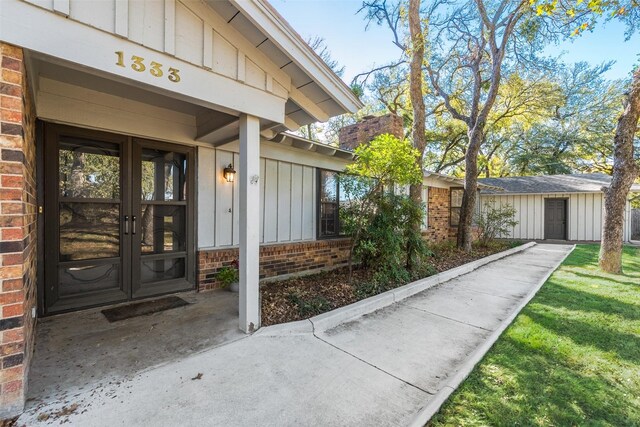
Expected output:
(89, 169)
(89, 230)
(90, 278)
(161, 269)
(163, 175)
(162, 228)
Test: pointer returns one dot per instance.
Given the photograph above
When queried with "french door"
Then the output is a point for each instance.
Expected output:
(118, 218)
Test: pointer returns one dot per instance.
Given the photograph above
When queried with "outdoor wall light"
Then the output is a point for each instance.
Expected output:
(229, 173)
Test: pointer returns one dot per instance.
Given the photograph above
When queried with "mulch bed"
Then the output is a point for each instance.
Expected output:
(304, 297)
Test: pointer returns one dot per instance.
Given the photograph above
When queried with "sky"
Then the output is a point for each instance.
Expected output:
(359, 50)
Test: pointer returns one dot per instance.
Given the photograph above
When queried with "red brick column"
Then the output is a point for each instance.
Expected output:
(438, 229)
(18, 231)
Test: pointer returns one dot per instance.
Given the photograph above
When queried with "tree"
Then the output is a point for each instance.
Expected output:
(625, 172)
(464, 64)
(417, 101)
(625, 168)
(384, 162)
(465, 71)
(568, 130)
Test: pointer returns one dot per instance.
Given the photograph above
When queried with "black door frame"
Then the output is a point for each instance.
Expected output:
(566, 217)
(168, 286)
(46, 158)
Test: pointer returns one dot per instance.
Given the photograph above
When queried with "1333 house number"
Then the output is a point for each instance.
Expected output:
(155, 69)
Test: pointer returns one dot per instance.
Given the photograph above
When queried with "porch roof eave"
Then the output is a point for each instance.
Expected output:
(265, 17)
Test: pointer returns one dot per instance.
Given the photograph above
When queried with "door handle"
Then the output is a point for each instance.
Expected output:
(126, 224)
(133, 224)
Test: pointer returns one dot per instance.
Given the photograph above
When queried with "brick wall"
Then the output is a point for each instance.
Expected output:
(276, 260)
(17, 230)
(438, 229)
(370, 127)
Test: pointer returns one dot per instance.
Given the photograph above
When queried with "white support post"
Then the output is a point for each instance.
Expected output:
(249, 172)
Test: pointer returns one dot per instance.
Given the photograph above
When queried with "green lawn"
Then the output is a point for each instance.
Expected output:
(571, 358)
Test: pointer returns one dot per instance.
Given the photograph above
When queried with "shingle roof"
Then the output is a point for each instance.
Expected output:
(571, 183)
(457, 181)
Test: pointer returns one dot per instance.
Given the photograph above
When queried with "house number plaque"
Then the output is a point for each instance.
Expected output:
(140, 65)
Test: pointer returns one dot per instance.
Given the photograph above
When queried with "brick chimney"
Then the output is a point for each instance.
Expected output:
(368, 128)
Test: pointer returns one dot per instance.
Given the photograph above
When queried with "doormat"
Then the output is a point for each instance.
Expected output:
(143, 308)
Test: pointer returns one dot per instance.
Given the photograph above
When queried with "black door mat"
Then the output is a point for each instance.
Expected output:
(143, 308)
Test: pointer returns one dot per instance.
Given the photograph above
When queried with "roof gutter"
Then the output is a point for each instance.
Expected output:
(305, 144)
(265, 17)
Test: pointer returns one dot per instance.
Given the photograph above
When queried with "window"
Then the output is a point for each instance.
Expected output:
(455, 205)
(328, 204)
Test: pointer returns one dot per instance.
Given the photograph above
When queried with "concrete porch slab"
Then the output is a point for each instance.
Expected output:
(76, 351)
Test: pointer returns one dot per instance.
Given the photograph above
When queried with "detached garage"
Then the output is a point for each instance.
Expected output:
(554, 207)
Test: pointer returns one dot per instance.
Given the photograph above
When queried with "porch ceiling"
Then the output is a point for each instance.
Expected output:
(216, 124)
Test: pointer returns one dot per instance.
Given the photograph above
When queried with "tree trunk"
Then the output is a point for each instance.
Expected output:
(417, 102)
(625, 172)
(465, 232)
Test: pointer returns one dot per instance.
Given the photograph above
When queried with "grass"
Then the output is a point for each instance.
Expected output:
(571, 358)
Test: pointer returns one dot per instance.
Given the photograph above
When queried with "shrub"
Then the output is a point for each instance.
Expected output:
(422, 270)
(380, 222)
(227, 275)
(494, 222)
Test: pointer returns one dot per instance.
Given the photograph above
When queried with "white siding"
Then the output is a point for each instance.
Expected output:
(308, 203)
(270, 203)
(223, 211)
(296, 202)
(284, 202)
(192, 31)
(626, 230)
(287, 201)
(206, 199)
(584, 216)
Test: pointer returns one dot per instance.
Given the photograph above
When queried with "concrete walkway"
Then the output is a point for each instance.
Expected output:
(381, 369)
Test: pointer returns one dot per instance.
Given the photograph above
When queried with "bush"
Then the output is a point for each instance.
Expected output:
(227, 275)
(422, 270)
(379, 222)
(494, 222)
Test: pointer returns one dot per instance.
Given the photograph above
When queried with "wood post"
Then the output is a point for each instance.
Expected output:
(249, 180)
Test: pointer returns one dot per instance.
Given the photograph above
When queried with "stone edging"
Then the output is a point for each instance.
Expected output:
(350, 312)
(426, 413)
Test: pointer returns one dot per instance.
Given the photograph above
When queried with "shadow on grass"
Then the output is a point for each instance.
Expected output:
(587, 255)
(554, 295)
(626, 279)
(535, 389)
(603, 337)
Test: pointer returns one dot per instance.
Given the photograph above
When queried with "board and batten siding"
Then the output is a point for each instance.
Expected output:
(287, 201)
(584, 214)
(192, 32)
